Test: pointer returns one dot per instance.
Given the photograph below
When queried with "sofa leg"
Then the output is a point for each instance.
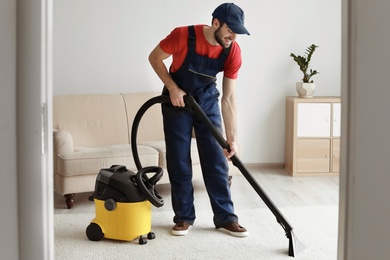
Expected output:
(69, 200)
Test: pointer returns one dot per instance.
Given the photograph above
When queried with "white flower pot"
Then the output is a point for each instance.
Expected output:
(305, 90)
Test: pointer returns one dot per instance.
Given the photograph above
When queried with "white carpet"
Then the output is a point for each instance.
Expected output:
(316, 227)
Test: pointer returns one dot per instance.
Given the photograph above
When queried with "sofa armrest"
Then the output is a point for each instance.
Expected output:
(62, 144)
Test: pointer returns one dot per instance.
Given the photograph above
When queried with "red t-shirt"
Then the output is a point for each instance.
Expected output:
(176, 44)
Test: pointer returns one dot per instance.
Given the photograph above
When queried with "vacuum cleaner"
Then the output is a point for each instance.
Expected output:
(123, 202)
(294, 246)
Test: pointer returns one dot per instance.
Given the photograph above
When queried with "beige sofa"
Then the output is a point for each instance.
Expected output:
(93, 131)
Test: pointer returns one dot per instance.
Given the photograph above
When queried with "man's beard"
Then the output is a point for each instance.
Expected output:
(218, 38)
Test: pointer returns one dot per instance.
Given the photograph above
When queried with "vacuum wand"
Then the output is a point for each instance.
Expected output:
(295, 246)
(292, 251)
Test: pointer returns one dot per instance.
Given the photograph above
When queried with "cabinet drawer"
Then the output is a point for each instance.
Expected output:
(313, 155)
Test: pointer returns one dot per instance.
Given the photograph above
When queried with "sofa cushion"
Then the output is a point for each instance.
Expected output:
(151, 125)
(92, 119)
(90, 160)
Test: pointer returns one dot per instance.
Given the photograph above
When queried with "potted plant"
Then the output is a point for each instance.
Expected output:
(306, 87)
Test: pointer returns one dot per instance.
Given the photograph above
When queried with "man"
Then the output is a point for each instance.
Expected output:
(199, 53)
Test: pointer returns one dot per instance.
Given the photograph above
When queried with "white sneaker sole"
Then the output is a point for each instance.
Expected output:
(180, 232)
(235, 234)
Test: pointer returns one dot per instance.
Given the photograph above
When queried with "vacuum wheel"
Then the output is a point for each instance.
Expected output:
(142, 240)
(94, 232)
(151, 235)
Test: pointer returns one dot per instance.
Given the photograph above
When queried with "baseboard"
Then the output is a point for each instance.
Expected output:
(256, 166)
(265, 165)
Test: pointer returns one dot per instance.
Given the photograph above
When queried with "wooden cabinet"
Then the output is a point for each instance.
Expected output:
(312, 135)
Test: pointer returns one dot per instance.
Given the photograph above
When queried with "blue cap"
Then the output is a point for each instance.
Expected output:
(233, 16)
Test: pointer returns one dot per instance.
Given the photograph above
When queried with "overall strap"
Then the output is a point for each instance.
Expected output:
(191, 37)
(192, 41)
(226, 52)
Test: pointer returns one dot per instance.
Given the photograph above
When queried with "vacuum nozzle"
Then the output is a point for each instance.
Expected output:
(295, 246)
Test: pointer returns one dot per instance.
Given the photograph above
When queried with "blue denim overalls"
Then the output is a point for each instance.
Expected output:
(197, 77)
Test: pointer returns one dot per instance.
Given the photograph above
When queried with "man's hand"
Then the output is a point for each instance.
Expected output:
(176, 95)
(233, 149)
(156, 58)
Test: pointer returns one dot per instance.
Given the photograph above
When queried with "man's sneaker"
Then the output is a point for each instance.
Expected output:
(181, 228)
(235, 229)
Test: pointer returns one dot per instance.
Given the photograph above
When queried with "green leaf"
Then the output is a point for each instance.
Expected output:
(304, 61)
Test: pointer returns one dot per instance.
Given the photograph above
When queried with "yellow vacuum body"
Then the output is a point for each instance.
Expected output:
(123, 212)
(127, 221)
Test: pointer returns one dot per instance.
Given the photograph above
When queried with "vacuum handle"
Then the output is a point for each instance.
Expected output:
(118, 168)
(191, 103)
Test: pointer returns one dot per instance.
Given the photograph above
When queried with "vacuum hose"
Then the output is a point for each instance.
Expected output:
(191, 103)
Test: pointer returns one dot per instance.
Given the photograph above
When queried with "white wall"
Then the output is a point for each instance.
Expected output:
(102, 46)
